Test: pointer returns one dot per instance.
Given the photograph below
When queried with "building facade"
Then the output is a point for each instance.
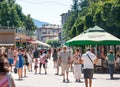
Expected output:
(64, 18)
(48, 32)
(7, 38)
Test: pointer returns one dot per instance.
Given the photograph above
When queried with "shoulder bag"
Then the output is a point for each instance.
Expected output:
(89, 58)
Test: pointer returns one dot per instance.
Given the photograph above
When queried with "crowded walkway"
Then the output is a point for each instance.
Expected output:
(47, 77)
(52, 80)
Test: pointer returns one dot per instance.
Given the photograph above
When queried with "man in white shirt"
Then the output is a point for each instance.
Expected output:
(89, 59)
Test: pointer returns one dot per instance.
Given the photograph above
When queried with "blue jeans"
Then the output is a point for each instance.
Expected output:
(111, 70)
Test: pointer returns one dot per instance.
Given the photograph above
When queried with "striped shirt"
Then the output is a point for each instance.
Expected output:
(4, 82)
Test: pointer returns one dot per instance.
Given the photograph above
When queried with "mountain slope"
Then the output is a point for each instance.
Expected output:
(39, 23)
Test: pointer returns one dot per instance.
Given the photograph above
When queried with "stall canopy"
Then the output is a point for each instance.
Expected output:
(22, 38)
(94, 36)
(39, 43)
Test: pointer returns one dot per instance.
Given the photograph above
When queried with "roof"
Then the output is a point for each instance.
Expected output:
(22, 36)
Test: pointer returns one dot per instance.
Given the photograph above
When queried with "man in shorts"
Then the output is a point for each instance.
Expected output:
(89, 59)
(64, 59)
(36, 56)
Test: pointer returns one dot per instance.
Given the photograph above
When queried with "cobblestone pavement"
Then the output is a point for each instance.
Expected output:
(52, 80)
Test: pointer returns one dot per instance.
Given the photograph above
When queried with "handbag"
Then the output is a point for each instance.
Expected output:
(27, 63)
(15, 70)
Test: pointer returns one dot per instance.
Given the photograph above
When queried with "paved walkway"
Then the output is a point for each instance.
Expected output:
(51, 80)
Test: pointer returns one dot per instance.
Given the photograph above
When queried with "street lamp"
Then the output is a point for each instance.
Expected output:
(8, 24)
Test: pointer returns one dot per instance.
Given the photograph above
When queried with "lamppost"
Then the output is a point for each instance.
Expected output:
(8, 24)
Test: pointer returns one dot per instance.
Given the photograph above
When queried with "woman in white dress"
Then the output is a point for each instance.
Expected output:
(77, 65)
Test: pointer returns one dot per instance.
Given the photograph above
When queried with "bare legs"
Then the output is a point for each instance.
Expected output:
(90, 82)
(20, 73)
(66, 76)
(43, 67)
(30, 67)
(25, 70)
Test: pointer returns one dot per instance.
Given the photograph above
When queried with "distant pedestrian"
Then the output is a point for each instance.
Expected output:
(49, 53)
(89, 59)
(71, 55)
(35, 65)
(30, 59)
(65, 60)
(43, 62)
(15, 55)
(111, 63)
(58, 61)
(54, 57)
(26, 63)
(19, 64)
(10, 58)
(36, 55)
(118, 62)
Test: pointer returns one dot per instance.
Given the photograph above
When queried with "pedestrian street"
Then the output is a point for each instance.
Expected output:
(52, 80)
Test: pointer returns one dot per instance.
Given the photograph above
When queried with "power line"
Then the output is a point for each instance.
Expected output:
(44, 2)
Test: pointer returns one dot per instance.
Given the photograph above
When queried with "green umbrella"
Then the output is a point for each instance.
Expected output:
(94, 36)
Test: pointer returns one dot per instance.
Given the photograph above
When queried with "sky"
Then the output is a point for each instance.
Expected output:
(45, 10)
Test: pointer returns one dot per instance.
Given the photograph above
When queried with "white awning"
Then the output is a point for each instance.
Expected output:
(6, 44)
(40, 43)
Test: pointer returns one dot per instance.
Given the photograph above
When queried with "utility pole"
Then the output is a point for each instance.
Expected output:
(8, 24)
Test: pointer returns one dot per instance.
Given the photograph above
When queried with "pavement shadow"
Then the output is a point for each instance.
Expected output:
(25, 77)
(19, 79)
(79, 82)
(67, 82)
(43, 74)
(115, 78)
(94, 78)
(74, 82)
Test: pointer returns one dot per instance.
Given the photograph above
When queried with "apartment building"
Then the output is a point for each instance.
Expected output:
(48, 32)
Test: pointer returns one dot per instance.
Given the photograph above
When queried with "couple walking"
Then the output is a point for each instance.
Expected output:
(88, 59)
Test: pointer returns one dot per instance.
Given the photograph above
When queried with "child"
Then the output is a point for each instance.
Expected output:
(42, 62)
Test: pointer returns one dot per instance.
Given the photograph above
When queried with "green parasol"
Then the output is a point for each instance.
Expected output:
(94, 36)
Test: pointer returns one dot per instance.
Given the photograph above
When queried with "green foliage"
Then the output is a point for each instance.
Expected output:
(29, 23)
(54, 43)
(12, 12)
(104, 13)
(89, 21)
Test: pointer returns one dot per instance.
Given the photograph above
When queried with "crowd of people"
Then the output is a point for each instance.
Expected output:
(64, 58)
(82, 63)
(20, 61)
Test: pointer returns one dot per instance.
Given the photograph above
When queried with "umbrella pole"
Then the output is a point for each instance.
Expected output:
(96, 50)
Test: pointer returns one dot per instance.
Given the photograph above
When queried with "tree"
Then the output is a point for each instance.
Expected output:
(54, 43)
(12, 12)
(29, 23)
(104, 13)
